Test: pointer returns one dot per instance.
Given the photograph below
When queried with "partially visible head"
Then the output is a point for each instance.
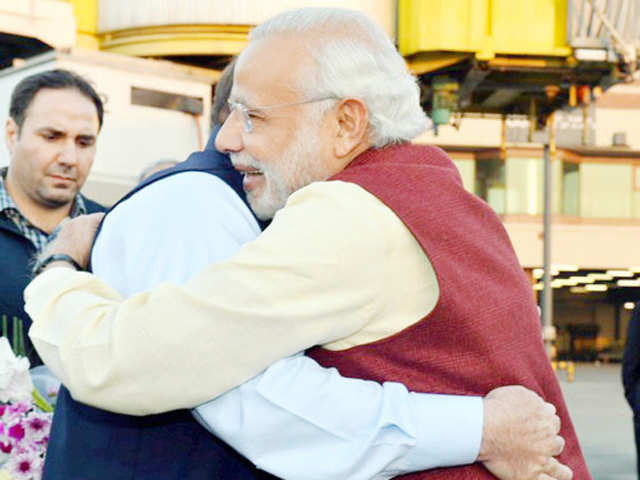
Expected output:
(220, 107)
(51, 133)
(362, 96)
(156, 167)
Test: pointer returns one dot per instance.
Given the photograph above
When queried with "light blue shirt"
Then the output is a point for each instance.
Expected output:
(296, 419)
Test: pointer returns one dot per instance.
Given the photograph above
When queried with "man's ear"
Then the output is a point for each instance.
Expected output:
(352, 118)
(11, 133)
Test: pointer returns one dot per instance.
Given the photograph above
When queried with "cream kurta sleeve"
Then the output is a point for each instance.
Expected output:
(317, 275)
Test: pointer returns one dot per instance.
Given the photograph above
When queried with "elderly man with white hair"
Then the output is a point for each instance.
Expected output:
(377, 258)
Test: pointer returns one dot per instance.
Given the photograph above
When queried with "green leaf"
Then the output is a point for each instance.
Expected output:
(40, 401)
(14, 340)
(18, 337)
(23, 350)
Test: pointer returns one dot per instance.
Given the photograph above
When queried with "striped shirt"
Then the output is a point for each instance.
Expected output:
(9, 209)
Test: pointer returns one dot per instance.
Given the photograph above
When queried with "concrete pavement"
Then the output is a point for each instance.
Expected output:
(602, 419)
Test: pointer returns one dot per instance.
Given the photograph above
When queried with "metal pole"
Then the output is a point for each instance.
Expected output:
(503, 137)
(532, 119)
(549, 333)
(585, 125)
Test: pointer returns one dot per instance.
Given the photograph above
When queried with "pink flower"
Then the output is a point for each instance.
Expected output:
(6, 447)
(37, 426)
(19, 408)
(22, 447)
(16, 432)
(25, 466)
(15, 412)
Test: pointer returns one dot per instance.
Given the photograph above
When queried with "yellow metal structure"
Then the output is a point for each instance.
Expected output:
(432, 33)
(516, 56)
(86, 13)
(485, 28)
(156, 41)
(177, 40)
(432, 61)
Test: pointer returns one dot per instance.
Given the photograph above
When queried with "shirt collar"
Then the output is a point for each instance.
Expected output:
(6, 202)
(79, 207)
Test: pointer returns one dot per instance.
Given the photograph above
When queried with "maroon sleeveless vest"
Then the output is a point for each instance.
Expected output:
(485, 330)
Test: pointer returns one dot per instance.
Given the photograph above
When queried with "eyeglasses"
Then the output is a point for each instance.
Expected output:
(247, 111)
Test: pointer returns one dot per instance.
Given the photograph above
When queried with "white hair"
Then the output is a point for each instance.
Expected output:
(355, 58)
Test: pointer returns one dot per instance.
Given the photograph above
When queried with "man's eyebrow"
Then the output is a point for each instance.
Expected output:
(50, 130)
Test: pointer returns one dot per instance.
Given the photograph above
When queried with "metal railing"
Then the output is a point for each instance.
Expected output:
(613, 25)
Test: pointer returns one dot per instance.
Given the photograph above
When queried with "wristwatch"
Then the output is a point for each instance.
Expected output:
(56, 257)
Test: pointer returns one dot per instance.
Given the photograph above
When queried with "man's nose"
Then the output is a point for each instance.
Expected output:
(68, 155)
(229, 138)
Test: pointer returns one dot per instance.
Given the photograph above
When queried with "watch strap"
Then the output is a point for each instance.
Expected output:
(56, 257)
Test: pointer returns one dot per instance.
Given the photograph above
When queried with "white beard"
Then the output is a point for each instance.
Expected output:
(295, 169)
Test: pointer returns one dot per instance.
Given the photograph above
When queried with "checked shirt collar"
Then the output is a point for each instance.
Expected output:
(9, 209)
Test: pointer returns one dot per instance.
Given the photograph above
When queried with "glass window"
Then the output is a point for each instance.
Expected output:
(490, 183)
(606, 190)
(525, 185)
(570, 189)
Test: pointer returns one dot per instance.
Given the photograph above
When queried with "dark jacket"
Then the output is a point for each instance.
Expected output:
(87, 443)
(17, 254)
(631, 361)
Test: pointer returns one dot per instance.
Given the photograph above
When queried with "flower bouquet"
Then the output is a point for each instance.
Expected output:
(25, 419)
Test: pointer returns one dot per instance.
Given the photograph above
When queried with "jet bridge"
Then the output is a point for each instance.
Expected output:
(517, 56)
